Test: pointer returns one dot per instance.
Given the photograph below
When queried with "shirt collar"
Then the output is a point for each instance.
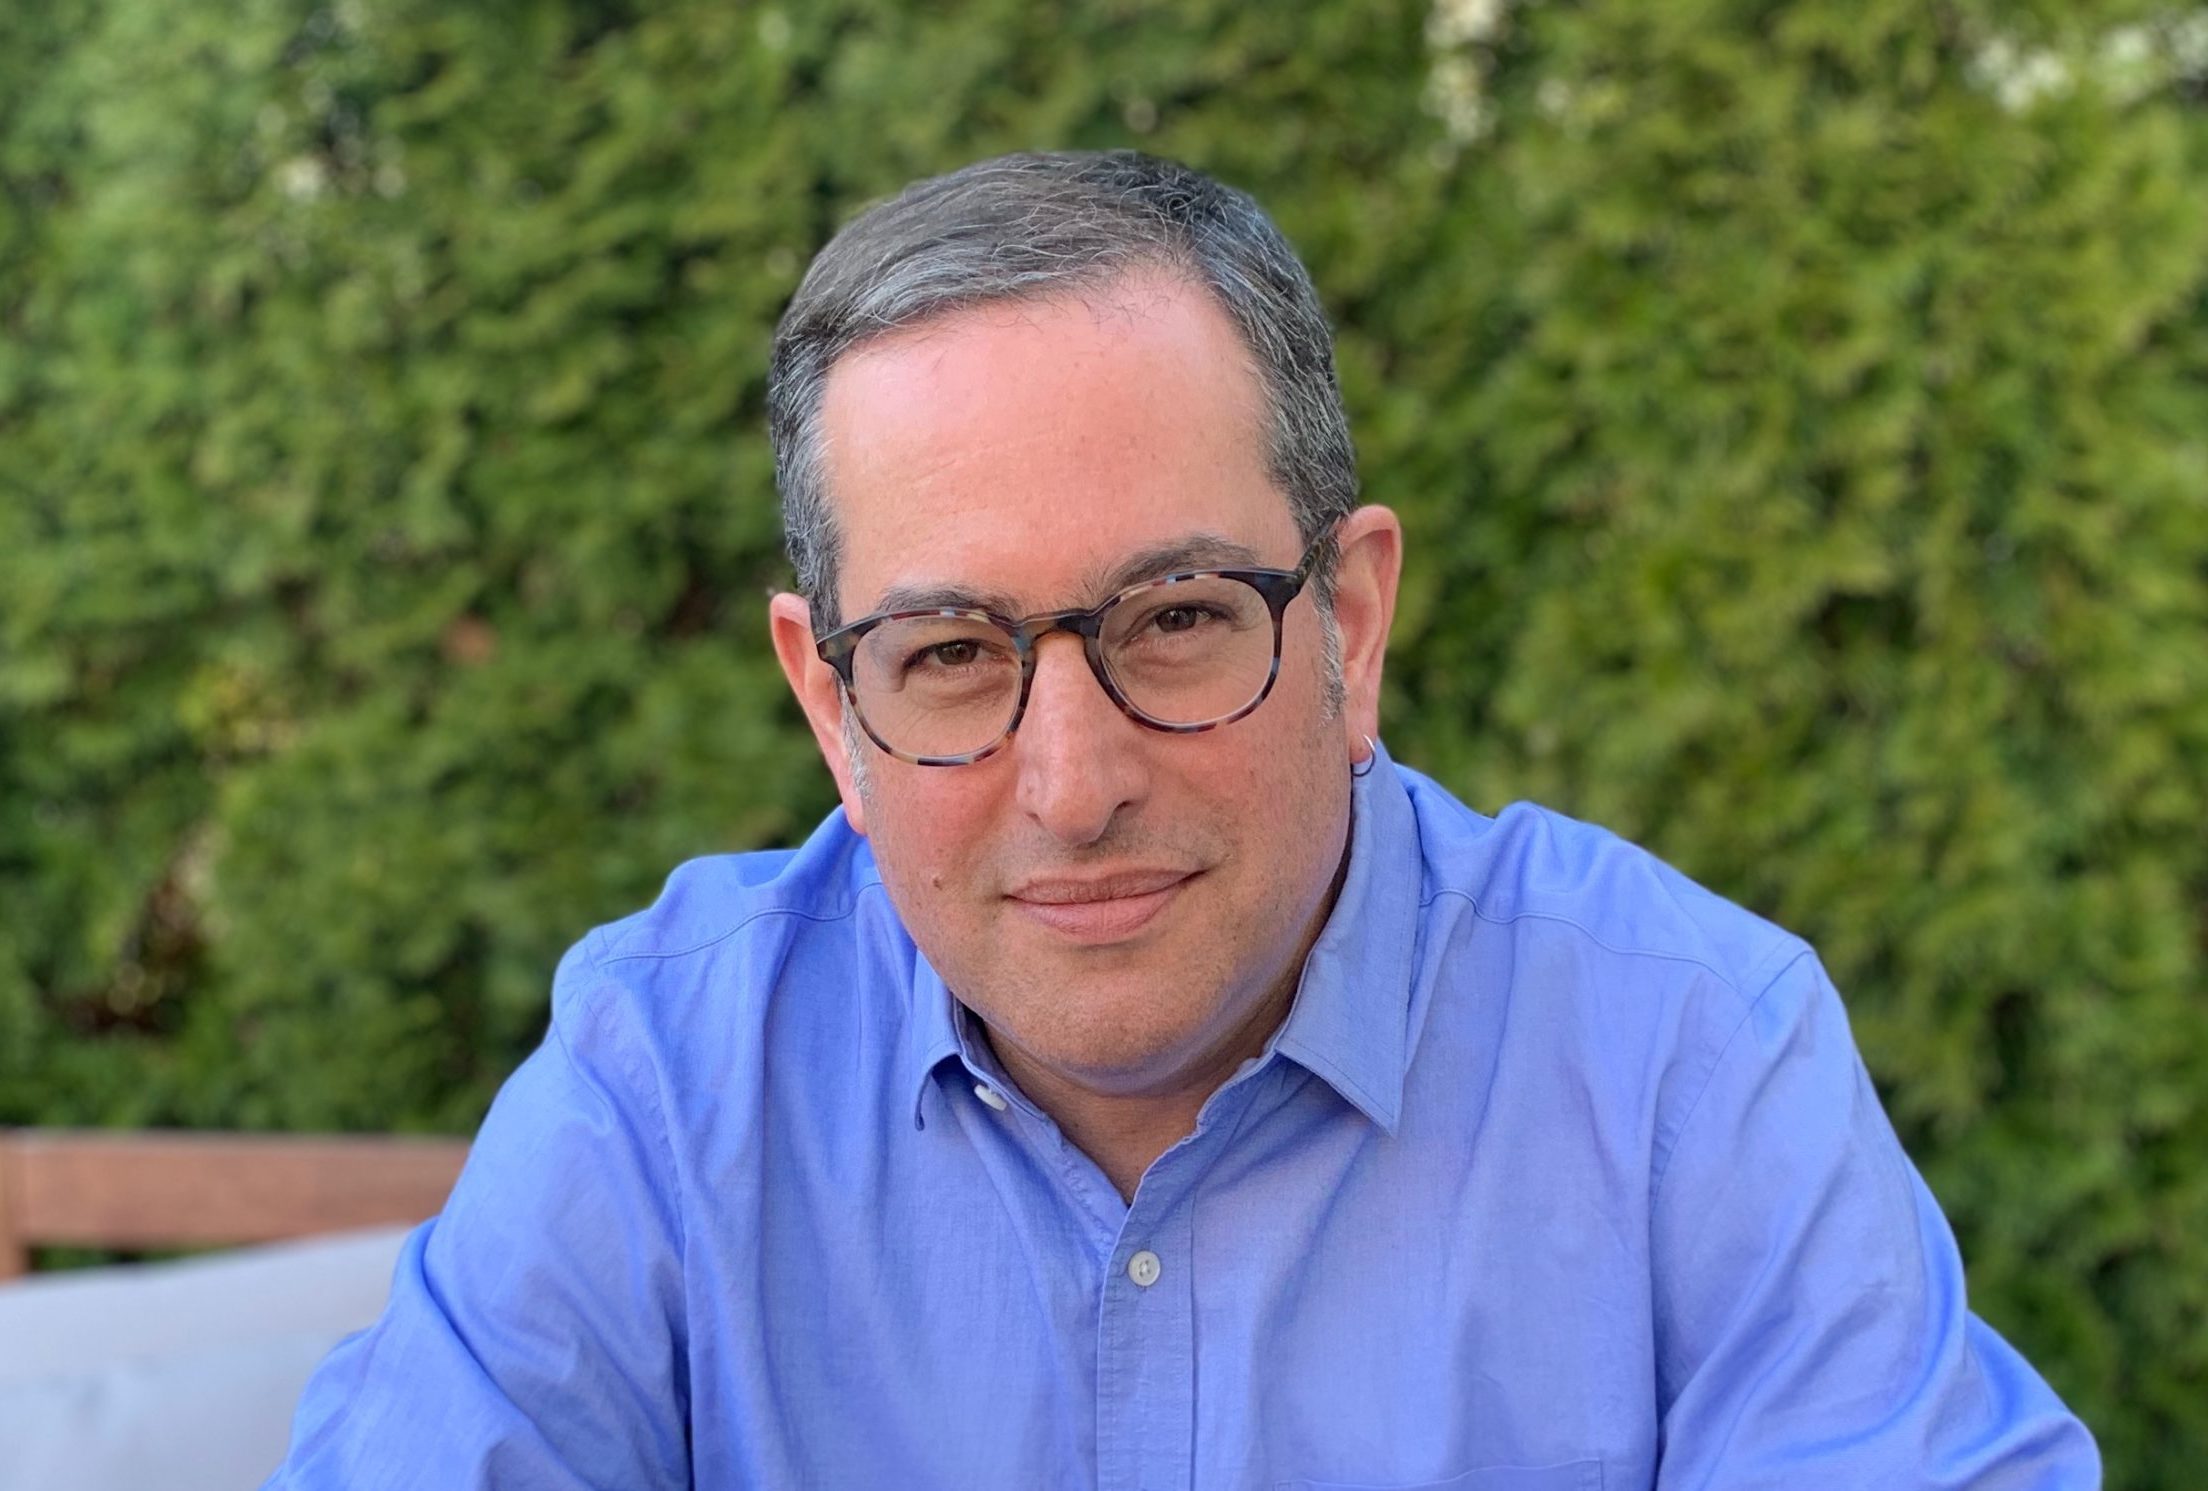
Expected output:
(1350, 1021)
(931, 1034)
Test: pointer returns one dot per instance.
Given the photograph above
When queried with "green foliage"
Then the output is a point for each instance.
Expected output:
(1800, 414)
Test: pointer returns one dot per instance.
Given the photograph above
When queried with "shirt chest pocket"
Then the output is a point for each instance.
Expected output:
(1579, 1475)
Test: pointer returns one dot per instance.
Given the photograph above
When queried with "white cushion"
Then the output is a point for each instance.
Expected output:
(178, 1375)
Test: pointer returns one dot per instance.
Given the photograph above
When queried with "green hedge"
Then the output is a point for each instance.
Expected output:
(1800, 413)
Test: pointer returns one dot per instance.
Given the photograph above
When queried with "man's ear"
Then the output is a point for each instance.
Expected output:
(819, 693)
(1365, 578)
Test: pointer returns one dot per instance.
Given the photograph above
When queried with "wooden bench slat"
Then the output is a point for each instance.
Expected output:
(15, 1253)
(140, 1190)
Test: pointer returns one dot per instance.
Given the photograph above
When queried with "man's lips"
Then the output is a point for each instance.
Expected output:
(1102, 908)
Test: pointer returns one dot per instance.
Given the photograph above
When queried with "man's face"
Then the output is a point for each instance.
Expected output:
(1119, 905)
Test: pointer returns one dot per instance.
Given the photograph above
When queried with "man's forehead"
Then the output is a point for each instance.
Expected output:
(1043, 456)
(1120, 364)
(1100, 577)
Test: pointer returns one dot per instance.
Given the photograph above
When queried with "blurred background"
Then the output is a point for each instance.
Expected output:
(1799, 412)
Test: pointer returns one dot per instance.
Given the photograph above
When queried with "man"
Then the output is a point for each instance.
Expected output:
(1142, 1082)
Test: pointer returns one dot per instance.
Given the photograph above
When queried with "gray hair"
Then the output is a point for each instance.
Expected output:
(1032, 225)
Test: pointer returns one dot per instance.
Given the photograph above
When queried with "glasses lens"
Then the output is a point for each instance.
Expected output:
(936, 685)
(1187, 652)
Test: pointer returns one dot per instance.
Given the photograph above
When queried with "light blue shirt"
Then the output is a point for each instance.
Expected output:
(1562, 1175)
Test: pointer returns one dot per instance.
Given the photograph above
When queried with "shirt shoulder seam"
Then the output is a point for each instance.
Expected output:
(1787, 942)
(605, 956)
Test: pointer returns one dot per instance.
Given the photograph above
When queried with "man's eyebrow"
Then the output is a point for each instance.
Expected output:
(1197, 551)
(924, 597)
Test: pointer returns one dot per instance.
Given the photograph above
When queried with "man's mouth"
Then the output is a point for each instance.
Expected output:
(1097, 909)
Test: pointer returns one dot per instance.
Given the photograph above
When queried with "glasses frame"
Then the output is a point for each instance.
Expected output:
(1278, 587)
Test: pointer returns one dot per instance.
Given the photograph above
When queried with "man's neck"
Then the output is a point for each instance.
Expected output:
(1124, 1133)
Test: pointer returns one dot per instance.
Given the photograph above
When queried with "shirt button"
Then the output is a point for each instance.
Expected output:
(991, 1096)
(1144, 1269)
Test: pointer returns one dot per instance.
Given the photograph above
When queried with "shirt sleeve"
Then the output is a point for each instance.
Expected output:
(1812, 1330)
(533, 1336)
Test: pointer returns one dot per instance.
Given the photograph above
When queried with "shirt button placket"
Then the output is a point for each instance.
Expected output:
(1146, 1386)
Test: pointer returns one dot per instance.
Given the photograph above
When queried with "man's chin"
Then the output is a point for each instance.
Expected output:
(1122, 1039)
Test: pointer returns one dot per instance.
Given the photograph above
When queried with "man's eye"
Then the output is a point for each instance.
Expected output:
(1181, 618)
(945, 655)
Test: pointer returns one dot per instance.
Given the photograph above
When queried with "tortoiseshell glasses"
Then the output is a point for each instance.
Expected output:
(1182, 653)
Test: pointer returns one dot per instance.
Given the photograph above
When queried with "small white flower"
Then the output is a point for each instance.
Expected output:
(302, 178)
(2018, 78)
(1459, 23)
(1455, 95)
(2128, 47)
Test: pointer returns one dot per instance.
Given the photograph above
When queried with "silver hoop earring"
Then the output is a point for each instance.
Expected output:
(1359, 770)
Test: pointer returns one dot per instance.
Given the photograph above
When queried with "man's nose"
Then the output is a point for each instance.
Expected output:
(1077, 762)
